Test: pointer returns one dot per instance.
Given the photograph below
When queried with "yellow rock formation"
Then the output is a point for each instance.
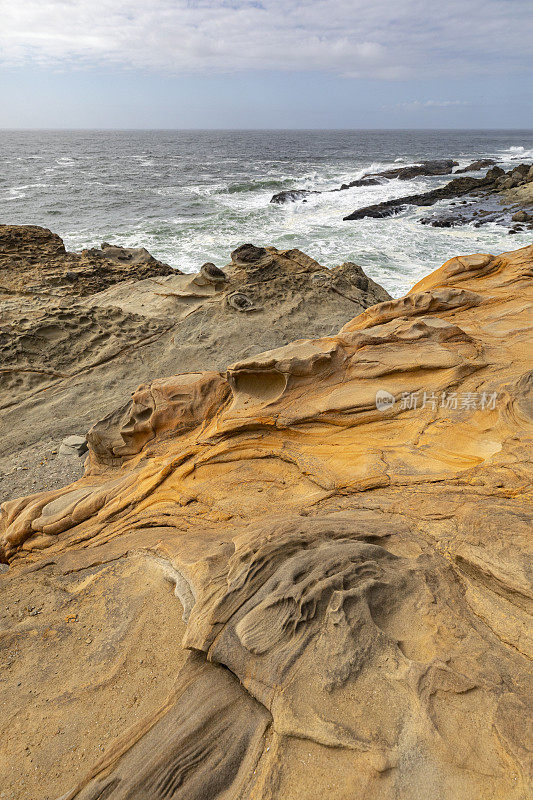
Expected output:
(345, 524)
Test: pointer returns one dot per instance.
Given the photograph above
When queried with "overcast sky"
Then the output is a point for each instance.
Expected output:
(266, 63)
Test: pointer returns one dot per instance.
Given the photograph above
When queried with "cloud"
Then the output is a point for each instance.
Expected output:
(353, 38)
(413, 105)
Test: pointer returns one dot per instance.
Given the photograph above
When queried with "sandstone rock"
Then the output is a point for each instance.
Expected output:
(35, 259)
(69, 359)
(73, 446)
(212, 273)
(349, 582)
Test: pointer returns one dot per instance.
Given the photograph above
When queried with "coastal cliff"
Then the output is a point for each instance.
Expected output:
(303, 575)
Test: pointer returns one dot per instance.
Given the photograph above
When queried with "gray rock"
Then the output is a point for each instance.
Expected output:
(73, 446)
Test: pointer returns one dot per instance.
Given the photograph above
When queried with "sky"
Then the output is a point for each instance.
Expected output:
(266, 64)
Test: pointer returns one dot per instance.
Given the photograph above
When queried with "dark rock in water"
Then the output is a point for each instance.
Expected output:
(248, 253)
(290, 195)
(487, 207)
(426, 168)
(390, 207)
(475, 166)
(522, 216)
(515, 177)
(442, 222)
(494, 173)
(494, 182)
(360, 182)
(440, 167)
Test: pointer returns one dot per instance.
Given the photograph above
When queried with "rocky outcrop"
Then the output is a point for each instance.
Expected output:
(426, 168)
(72, 350)
(318, 555)
(34, 260)
(455, 188)
(487, 196)
(476, 166)
(290, 195)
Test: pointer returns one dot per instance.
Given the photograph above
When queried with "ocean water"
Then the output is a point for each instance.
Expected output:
(193, 196)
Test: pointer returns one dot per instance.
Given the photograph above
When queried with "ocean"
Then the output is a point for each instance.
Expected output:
(194, 196)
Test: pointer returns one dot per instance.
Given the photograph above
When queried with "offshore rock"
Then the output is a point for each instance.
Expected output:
(268, 586)
(425, 168)
(476, 166)
(496, 188)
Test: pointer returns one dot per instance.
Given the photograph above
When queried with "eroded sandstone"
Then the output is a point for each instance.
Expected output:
(354, 582)
(80, 332)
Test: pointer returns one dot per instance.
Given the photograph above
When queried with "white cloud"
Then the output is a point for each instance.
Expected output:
(414, 105)
(410, 38)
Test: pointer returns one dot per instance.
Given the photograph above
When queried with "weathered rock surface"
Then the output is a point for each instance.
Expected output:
(34, 260)
(354, 583)
(71, 350)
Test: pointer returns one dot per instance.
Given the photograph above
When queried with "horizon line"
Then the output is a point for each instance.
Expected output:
(251, 130)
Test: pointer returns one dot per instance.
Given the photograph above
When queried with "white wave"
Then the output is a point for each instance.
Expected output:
(516, 153)
(14, 194)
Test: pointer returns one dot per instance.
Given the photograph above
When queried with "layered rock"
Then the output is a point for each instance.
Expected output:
(344, 523)
(79, 333)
